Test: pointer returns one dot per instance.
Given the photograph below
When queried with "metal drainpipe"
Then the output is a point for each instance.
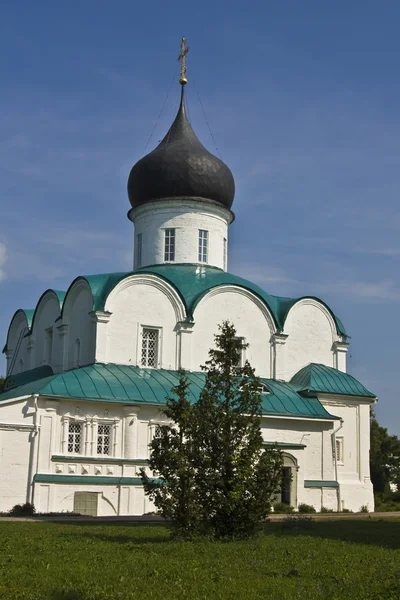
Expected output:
(32, 452)
(336, 471)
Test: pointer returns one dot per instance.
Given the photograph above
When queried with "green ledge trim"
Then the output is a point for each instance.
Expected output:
(287, 445)
(105, 459)
(310, 483)
(89, 479)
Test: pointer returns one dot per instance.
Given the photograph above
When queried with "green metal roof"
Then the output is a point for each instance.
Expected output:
(316, 378)
(134, 385)
(29, 313)
(287, 445)
(20, 379)
(311, 483)
(192, 282)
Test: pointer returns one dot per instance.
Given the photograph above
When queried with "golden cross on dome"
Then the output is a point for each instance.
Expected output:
(182, 58)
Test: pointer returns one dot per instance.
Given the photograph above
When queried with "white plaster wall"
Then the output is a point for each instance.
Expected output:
(14, 460)
(353, 472)
(315, 461)
(15, 446)
(186, 217)
(310, 331)
(47, 312)
(142, 301)
(134, 430)
(112, 499)
(250, 318)
(76, 315)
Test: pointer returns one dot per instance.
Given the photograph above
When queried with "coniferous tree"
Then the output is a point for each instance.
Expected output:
(215, 476)
(171, 457)
(236, 478)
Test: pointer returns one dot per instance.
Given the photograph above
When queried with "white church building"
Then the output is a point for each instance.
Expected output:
(89, 368)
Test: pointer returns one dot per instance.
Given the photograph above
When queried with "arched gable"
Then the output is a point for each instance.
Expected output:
(250, 316)
(56, 298)
(16, 346)
(311, 331)
(21, 319)
(152, 281)
(76, 317)
(47, 311)
(142, 301)
(288, 304)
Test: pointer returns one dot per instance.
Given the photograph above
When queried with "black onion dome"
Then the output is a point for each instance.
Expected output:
(180, 166)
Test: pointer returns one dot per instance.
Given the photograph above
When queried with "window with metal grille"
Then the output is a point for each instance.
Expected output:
(339, 449)
(74, 437)
(169, 251)
(103, 439)
(85, 503)
(149, 357)
(203, 243)
(262, 389)
(139, 250)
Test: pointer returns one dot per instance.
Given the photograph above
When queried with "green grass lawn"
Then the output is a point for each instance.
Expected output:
(66, 561)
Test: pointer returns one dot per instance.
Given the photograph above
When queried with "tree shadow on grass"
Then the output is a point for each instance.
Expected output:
(111, 535)
(71, 595)
(371, 532)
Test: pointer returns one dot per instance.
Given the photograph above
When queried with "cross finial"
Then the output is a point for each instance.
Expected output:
(182, 58)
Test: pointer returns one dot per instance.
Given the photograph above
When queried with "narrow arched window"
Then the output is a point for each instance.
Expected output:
(138, 250)
(203, 246)
(77, 357)
(225, 260)
(21, 365)
(169, 245)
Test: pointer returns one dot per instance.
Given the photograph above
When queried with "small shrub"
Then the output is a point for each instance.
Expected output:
(346, 510)
(282, 508)
(297, 522)
(364, 508)
(326, 510)
(306, 508)
(387, 502)
(387, 507)
(22, 510)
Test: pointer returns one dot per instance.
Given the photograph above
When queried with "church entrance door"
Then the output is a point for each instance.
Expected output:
(286, 485)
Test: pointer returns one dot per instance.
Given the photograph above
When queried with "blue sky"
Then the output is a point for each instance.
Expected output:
(303, 100)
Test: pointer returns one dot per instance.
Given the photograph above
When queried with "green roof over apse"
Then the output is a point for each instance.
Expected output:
(192, 282)
(134, 385)
(316, 378)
